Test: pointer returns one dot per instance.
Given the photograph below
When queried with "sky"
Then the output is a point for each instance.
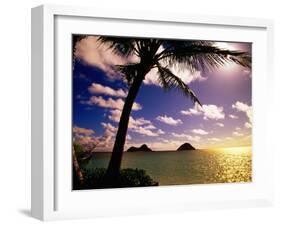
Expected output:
(162, 120)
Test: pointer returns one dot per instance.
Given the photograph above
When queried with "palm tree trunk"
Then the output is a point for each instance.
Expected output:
(77, 169)
(113, 170)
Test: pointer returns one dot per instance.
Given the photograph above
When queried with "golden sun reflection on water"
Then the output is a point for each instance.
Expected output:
(234, 150)
(233, 164)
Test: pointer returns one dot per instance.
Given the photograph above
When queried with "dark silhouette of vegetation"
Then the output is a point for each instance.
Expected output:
(77, 174)
(186, 147)
(142, 148)
(160, 54)
(96, 179)
(79, 157)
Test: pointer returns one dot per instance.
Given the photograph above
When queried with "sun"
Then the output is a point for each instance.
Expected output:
(225, 45)
(222, 45)
(230, 67)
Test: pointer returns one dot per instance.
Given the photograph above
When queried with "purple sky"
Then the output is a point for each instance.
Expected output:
(162, 120)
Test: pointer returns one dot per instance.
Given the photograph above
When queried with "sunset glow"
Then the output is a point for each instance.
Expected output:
(162, 120)
(152, 112)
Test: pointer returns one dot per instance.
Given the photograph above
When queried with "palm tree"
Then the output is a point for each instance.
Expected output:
(161, 54)
(76, 166)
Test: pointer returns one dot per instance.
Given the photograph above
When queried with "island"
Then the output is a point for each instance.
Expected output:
(186, 147)
(142, 148)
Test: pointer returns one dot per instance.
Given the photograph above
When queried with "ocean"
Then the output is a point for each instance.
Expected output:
(187, 167)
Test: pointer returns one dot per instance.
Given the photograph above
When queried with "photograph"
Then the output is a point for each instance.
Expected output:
(152, 111)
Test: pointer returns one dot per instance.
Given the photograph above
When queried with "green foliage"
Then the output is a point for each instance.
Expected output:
(135, 178)
(95, 179)
(79, 151)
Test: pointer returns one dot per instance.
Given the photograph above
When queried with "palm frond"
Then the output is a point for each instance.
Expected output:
(168, 81)
(203, 57)
(120, 46)
(178, 44)
(170, 45)
(76, 39)
(129, 71)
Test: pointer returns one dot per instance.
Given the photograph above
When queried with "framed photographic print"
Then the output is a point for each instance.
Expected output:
(134, 112)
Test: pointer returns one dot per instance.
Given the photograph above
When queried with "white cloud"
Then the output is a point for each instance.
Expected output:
(128, 137)
(199, 131)
(147, 132)
(85, 138)
(220, 124)
(89, 143)
(115, 115)
(150, 127)
(242, 107)
(214, 139)
(187, 137)
(193, 111)
(92, 52)
(100, 89)
(210, 111)
(248, 125)
(169, 120)
(82, 131)
(110, 103)
(133, 123)
(151, 78)
(237, 128)
(163, 140)
(213, 112)
(109, 127)
(160, 131)
(138, 125)
(180, 135)
(184, 74)
(237, 134)
(233, 116)
(141, 121)
(106, 141)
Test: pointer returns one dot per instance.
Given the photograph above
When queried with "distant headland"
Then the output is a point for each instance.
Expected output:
(186, 147)
(145, 148)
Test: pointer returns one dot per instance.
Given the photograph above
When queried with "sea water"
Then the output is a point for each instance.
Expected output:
(187, 167)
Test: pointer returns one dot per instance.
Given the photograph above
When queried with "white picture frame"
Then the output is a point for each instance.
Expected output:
(51, 194)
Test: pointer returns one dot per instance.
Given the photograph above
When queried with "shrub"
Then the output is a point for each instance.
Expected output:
(135, 178)
(95, 179)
